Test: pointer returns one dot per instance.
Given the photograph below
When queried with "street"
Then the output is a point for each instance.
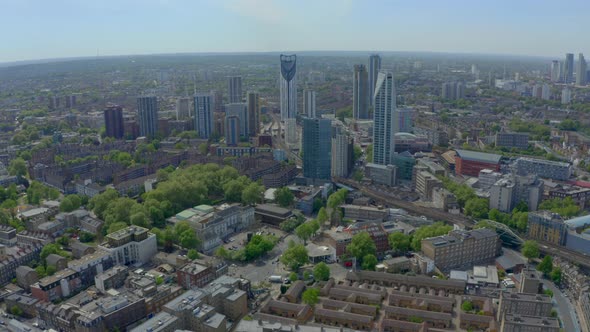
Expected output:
(565, 309)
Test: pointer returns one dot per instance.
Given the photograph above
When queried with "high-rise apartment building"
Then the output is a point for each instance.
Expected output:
(234, 87)
(568, 68)
(291, 137)
(309, 109)
(555, 71)
(566, 96)
(383, 119)
(510, 190)
(342, 153)
(113, 120)
(317, 146)
(288, 86)
(547, 226)
(360, 92)
(232, 130)
(203, 104)
(240, 111)
(147, 114)
(546, 92)
(374, 68)
(403, 120)
(581, 70)
(183, 111)
(253, 105)
(453, 90)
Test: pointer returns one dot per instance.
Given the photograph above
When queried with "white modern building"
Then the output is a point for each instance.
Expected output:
(383, 119)
(566, 96)
(131, 245)
(309, 104)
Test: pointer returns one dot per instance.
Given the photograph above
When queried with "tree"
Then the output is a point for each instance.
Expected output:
(203, 148)
(556, 275)
(18, 167)
(369, 262)
(284, 197)
(530, 249)
(322, 215)
(321, 272)
(159, 280)
(192, 254)
(399, 241)
(188, 239)
(221, 252)
(477, 208)
(361, 245)
(85, 237)
(566, 207)
(295, 256)
(467, 306)
(304, 231)
(100, 202)
(16, 310)
(293, 276)
(64, 241)
(311, 296)
(253, 193)
(546, 265)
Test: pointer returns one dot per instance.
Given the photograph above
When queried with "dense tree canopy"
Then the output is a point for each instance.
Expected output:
(295, 256)
(284, 197)
(423, 232)
(361, 245)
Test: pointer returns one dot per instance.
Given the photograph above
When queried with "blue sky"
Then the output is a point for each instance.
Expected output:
(37, 29)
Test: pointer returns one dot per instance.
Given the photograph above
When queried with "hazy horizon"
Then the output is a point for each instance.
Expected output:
(74, 29)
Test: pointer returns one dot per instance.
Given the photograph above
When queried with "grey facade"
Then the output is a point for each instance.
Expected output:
(543, 168)
(309, 106)
(234, 87)
(342, 153)
(512, 140)
(203, 104)
(360, 93)
(253, 105)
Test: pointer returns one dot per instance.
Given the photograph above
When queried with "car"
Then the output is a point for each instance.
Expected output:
(348, 264)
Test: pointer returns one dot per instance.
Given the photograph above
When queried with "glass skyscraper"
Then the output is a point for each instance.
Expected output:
(374, 68)
(204, 115)
(288, 86)
(317, 148)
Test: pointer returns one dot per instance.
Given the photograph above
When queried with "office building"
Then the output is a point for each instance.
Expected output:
(581, 68)
(537, 91)
(425, 182)
(555, 71)
(342, 153)
(309, 109)
(234, 87)
(555, 170)
(288, 86)
(383, 119)
(113, 120)
(203, 104)
(232, 130)
(566, 96)
(316, 144)
(381, 174)
(568, 68)
(240, 111)
(404, 163)
(548, 227)
(253, 106)
(469, 163)
(374, 69)
(512, 140)
(147, 114)
(130, 245)
(462, 249)
(521, 323)
(403, 120)
(510, 190)
(183, 108)
(360, 92)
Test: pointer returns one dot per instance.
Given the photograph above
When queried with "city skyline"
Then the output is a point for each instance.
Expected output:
(107, 29)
